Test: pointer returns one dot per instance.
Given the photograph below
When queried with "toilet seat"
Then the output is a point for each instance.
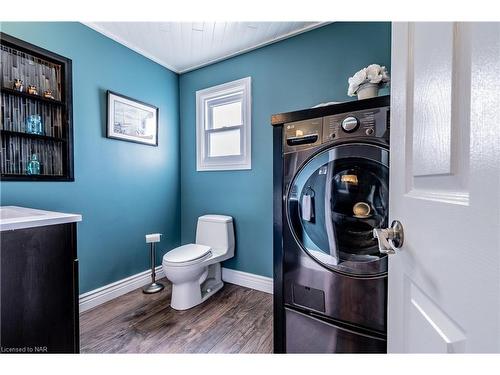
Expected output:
(187, 254)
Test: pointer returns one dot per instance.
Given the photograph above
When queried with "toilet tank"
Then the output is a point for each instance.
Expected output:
(216, 231)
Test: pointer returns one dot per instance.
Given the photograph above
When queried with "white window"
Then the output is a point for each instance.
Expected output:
(223, 126)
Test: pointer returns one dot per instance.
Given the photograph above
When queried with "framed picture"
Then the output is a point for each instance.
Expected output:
(131, 120)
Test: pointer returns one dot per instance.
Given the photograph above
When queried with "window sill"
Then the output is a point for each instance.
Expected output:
(229, 167)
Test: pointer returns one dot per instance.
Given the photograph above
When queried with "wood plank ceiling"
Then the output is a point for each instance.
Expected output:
(184, 46)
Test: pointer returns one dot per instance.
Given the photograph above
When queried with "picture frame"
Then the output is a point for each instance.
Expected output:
(131, 120)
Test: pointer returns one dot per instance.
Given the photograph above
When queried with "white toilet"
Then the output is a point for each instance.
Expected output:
(194, 269)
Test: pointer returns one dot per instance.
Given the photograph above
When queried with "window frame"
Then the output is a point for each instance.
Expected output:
(209, 98)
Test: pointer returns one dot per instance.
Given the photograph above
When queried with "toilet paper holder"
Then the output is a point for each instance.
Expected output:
(154, 286)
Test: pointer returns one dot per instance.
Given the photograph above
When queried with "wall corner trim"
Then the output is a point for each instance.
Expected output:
(111, 291)
(249, 280)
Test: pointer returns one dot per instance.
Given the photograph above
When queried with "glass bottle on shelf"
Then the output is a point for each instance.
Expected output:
(34, 124)
(33, 165)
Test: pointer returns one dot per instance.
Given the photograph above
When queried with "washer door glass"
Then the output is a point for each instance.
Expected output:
(334, 203)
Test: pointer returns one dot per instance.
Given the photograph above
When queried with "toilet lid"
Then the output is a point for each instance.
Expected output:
(187, 253)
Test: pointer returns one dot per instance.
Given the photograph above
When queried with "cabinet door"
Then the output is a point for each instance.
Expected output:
(38, 310)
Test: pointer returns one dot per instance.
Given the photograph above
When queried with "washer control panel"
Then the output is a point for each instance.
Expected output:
(365, 123)
(305, 134)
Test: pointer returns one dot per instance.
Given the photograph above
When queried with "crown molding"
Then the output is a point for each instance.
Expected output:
(129, 45)
(257, 46)
(174, 69)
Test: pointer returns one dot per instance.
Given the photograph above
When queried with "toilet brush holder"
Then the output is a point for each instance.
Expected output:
(154, 286)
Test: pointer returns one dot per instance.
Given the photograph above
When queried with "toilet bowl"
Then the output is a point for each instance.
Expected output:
(194, 269)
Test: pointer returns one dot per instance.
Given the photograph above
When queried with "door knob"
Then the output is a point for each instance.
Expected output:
(390, 239)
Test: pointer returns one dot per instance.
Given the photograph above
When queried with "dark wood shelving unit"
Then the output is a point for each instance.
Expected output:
(54, 148)
(33, 136)
(24, 94)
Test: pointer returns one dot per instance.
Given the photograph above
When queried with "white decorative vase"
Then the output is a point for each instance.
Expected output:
(367, 90)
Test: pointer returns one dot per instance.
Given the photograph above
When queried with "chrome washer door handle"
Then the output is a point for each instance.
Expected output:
(390, 239)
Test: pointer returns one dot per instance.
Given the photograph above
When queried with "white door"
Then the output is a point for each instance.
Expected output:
(444, 282)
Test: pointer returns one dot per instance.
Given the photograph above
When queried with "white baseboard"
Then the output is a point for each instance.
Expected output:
(249, 280)
(108, 292)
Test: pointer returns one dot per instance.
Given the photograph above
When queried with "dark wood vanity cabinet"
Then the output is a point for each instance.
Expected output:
(39, 290)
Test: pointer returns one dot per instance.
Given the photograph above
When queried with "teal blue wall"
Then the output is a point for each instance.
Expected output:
(293, 74)
(123, 190)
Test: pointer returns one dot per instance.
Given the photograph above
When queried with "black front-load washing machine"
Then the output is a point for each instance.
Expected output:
(332, 288)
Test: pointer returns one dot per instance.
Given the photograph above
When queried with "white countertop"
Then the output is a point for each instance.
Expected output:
(14, 217)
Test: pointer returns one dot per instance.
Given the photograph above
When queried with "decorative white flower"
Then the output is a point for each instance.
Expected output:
(351, 91)
(385, 75)
(359, 77)
(374, 73)
(356, 80)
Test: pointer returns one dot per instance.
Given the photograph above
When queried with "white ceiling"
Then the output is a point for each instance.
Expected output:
(184, 46)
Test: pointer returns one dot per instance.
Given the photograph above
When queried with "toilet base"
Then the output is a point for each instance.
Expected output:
(211, 291)
(191, 294)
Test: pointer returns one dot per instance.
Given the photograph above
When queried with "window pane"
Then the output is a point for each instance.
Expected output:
(226, 115)
(225, 143)
(223, 122)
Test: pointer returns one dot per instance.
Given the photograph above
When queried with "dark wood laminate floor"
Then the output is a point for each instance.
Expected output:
(234, 320)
